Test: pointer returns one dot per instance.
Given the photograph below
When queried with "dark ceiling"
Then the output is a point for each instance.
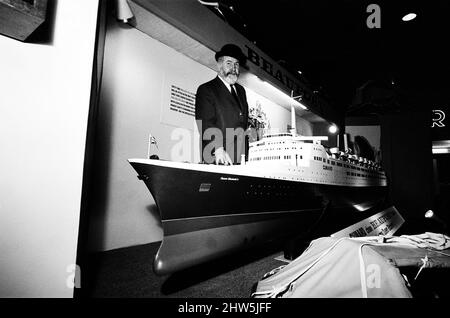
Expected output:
(337, 53)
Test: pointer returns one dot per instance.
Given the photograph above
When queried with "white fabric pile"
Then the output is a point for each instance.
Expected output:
(435, 241)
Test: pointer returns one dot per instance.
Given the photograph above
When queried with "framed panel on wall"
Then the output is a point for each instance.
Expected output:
(20, 18)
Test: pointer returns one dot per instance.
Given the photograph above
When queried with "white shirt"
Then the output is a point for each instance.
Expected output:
(226, 84)
(230, 88)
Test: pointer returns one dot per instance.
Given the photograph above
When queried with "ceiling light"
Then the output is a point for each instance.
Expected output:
(206, 3)
(333, 129)
(299, 72)
(409, 17)
(124, 12)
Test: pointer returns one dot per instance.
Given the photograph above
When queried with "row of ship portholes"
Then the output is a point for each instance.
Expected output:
(287, 190)
(352, 174)
(267, 158)
(312, 180)
(263, 186)
(272, 190)
(267, 193)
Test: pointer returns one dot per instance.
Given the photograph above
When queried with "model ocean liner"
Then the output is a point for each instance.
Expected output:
(208, 211)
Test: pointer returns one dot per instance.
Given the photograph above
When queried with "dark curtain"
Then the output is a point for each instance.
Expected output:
(404, 113)
(407, 159)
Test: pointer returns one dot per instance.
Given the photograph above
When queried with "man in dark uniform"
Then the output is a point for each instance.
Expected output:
(221, 110)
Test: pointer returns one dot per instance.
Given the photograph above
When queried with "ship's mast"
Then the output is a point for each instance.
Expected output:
(345, 143)
(293, 120)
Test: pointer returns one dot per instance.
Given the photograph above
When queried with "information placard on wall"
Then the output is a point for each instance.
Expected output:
(182, 100)
(178, 101)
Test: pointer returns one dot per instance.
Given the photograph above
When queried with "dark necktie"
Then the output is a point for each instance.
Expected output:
(233, 92)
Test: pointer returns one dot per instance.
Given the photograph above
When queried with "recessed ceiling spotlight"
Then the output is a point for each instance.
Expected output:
(332, 129)
(409, 17)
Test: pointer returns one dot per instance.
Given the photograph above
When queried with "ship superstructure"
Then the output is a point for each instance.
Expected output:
(305, 159)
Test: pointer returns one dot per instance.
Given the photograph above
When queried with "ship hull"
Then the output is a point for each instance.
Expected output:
(208, 214)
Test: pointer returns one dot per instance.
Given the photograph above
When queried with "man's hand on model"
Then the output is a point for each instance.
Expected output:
(222, 157)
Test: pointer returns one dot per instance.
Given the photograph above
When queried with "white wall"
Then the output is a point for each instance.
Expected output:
(137, 70)
(44, 104)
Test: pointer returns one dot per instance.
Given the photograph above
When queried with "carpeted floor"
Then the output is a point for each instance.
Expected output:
(127, 272)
